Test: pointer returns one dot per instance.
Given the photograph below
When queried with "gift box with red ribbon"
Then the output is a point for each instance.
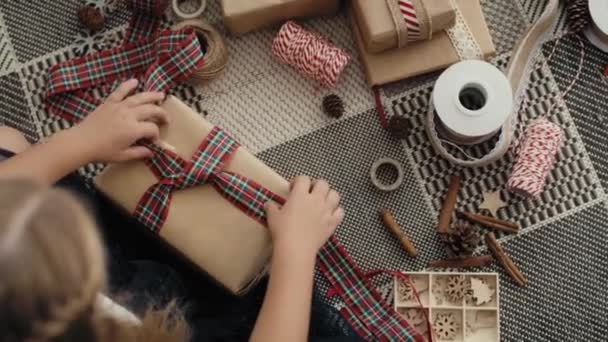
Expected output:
(468, 38)
(390, 24)
(198, 199)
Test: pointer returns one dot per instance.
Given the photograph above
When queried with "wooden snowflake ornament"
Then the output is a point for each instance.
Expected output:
(414, 317)
(405, 291)
(456, 288)
(445, 326)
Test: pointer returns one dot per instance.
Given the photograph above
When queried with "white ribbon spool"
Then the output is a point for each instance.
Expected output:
(472, 100)
(518, 69)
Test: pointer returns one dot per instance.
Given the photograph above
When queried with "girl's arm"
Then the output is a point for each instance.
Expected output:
(299, 229)
(106, 135)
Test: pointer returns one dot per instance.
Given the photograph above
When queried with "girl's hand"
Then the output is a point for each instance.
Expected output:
(111, 131)
(308, 218)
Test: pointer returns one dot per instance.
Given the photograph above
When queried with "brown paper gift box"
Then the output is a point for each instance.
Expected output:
(242, 16)
(377, 26)
(425, 56)
(202, 225)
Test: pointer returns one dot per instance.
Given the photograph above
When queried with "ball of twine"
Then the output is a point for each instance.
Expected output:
(537, 155)
(310, 54)
(215, 50)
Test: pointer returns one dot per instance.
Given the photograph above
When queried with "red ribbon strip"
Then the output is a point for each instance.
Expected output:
(205, 167)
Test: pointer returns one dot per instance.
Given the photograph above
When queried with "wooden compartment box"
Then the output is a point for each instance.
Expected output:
(462, 307)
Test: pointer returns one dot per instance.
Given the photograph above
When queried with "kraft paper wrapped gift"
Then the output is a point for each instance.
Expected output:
(424, 56)
(202, 225)
(380, 29)
(242, 16)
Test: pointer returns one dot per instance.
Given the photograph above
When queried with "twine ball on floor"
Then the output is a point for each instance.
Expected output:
(333, 106)
(578, 15)
(91, 17)
(399, 126)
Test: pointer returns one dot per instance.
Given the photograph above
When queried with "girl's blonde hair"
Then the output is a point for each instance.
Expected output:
(52, 269)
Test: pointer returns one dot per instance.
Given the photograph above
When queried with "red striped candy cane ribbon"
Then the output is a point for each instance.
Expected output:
(411, 19)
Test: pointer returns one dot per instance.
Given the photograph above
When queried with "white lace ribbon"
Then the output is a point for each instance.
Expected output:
(462, 37)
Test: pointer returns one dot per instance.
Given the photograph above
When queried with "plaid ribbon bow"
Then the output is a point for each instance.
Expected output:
(160, 60)
(206, 167)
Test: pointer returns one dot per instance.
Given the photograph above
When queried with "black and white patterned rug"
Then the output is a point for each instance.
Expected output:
(277, 115)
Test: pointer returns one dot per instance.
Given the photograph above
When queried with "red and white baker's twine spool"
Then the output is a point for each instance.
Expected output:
(541, 141)
(310, 54)
(537, 154)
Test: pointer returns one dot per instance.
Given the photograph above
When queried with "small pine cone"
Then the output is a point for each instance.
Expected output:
(399, 126)
(333, 106)
(91, 18)
(578, 15)
(462, 240)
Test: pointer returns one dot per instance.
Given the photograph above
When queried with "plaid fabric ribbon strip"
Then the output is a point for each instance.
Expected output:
(363, 302)
(205, 167)
(159, 59)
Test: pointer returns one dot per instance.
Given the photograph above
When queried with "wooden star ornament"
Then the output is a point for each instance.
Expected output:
(492, 202)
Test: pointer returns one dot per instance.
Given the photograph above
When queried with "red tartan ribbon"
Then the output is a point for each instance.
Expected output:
(160, 59)
(205, 167)
(365, 309)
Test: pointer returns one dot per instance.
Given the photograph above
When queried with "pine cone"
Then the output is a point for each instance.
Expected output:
(399, 126)
(91, 18)
(578, 15)
(462, 240)
(333, 106)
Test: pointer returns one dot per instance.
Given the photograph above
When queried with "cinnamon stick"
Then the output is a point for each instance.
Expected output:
(389, 221)
(449, 203)
(476, 261)
(492, 222)
(504, 259)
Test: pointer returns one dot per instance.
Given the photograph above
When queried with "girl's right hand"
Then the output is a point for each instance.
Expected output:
(110, 132)
(309, 217)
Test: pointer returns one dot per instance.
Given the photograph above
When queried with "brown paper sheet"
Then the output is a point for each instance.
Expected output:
(377, 26)
(242, 16)
(210, 231)
(426, 56)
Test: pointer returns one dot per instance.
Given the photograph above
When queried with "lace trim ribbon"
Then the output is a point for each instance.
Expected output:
(462, 37)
